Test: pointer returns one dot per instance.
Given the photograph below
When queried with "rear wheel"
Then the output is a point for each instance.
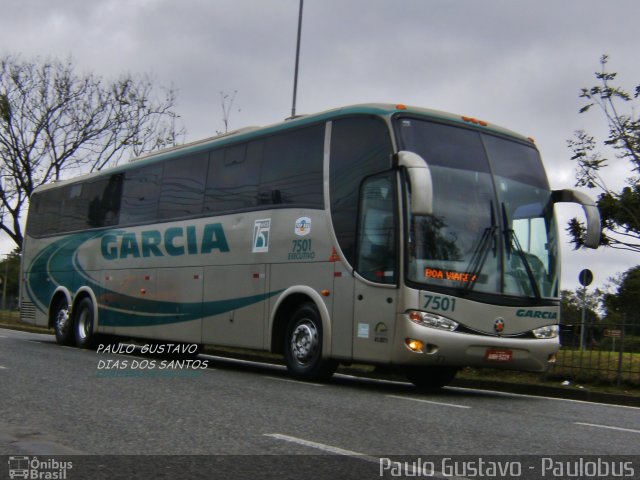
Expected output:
(62, 322)
(429, 379)
(303, 346)
(83, 324)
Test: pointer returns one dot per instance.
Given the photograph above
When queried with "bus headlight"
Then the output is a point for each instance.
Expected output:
(432, 320)
(550, 331)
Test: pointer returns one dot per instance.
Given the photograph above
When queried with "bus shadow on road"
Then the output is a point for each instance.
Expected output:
(348, 378)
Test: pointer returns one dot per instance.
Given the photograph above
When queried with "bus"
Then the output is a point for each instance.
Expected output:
(373, 234)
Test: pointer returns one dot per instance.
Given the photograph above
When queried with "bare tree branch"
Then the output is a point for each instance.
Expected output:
(55, 122)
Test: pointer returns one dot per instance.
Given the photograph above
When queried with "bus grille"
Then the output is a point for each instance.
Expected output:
(28, 312)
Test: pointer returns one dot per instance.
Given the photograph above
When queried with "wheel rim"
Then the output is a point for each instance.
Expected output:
(62, 320)
(304, 342)
(83, 324)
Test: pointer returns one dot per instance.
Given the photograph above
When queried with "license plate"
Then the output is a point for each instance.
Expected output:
(496, 355)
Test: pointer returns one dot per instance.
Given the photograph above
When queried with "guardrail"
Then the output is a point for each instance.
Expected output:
(604, 353)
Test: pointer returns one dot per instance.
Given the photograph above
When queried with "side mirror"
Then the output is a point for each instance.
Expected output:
(420, 180)
(592, 239)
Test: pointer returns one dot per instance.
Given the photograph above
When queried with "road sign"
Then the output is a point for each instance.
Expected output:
(612, 333)
(585, 277)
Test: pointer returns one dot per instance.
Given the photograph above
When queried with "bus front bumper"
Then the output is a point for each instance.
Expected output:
(421, 345)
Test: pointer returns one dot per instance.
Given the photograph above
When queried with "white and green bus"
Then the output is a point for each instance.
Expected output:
(372, 234)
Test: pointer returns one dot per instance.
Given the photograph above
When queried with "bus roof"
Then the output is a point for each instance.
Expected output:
(247, 133)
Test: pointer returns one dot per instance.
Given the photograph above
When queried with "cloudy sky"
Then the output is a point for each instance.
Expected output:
(519, 64)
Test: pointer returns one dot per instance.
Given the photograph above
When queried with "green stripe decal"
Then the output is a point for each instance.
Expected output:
(58, 265)
(133, 312)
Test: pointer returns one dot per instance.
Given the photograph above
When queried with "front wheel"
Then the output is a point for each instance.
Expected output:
(62, 322)
(303, 346)
(430, 379)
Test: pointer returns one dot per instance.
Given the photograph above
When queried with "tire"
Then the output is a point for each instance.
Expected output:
(62, 323)
(430, 379)
(83, 320)
(303, 346)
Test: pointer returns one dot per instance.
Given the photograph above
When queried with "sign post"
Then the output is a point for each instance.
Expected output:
(585, 278)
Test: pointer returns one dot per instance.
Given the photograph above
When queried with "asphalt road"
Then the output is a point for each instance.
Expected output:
(61, 400)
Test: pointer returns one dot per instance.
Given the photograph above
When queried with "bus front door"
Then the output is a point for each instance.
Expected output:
(377, 269)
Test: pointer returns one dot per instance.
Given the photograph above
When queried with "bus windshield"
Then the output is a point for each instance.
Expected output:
(492, 229)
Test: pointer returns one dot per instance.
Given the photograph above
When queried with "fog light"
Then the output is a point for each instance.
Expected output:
(414, 345)
(552, 358)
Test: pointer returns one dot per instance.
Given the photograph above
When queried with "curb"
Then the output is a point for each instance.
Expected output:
(26, 328)
(584, 395)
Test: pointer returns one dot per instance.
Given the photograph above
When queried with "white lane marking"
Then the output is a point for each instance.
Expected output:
(541, 397)
(3, 368)
(321, 446)
(609, 427)
(3, 336)
(290, 380)
(409, 470)
(244, 362)
(454, 405)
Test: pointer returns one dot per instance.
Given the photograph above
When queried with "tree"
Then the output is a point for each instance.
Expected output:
(571, 305)
(55, 122)
(619, 210)
(625, 302)
(226, 103)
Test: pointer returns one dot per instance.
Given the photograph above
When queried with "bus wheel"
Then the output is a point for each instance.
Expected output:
(303, 346)
(62, 323)
(83, 324)
(429, 379)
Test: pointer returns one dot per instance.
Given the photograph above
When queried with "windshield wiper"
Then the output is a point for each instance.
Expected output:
(481, 251)
(511, 241)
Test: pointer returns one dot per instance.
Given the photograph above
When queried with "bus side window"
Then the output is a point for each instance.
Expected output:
(232, 180)
(376, 257)
(360, 146)
(103, 201)
(292, 170)
(183, 182)
(140, 195)
(46, 206)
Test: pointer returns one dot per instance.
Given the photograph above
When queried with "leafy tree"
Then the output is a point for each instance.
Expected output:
(55, 122)
(619, 210)
(624, 303)
(571, 303)
(571, 306)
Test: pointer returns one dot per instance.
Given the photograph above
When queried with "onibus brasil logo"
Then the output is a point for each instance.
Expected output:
(34, 468)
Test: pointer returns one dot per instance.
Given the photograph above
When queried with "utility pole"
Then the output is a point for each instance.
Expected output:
(4, 283)
(295, 73)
